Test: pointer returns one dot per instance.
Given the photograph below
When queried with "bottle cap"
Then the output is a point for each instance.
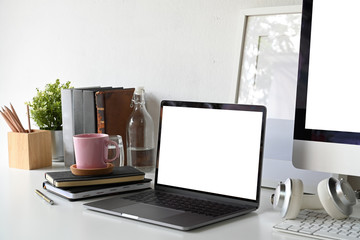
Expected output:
(139, 90)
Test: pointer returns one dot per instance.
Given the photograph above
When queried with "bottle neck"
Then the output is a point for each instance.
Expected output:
(138, 101)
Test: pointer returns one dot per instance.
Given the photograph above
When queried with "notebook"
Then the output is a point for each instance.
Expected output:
(81, 192)
(207, 153)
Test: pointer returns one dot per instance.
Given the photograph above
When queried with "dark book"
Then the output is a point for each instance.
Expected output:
(119, 174)
(113, 112)
(76, 193)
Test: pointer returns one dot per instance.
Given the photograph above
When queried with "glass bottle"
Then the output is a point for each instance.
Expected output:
(140, 135)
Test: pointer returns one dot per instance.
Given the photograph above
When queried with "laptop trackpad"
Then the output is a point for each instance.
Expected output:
(147, 211)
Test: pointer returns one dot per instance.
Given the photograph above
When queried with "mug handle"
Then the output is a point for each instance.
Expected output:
(110, 142)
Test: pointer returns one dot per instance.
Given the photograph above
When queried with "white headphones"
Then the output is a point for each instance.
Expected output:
(336, 196)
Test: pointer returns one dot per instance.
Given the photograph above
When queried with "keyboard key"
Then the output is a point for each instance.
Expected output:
(294, 228)
(356, 227)
(283, 226)
(293, 222)
(354, 235)
(326, 234)
(307, 230)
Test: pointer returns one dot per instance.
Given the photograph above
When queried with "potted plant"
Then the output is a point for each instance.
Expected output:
(46, 112)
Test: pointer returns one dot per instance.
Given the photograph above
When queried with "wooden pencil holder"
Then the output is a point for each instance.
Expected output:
(30, 150)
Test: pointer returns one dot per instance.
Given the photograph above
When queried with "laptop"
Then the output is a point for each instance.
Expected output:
(209, 160)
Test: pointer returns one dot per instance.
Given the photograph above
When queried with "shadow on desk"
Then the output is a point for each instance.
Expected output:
(226, 223)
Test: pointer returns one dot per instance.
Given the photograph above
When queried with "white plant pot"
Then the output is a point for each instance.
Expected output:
(57, 145)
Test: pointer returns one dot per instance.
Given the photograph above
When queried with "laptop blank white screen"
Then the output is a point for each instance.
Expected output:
(210, 150)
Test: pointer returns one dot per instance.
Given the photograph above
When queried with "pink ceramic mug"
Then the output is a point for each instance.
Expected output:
(91, 150)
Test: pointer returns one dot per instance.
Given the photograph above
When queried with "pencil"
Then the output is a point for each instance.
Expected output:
(13, 119)
(48, 200)
(28, 116)
(15, 114)
(8, 122)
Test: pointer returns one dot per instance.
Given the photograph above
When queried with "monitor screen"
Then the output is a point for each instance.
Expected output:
(327, 118)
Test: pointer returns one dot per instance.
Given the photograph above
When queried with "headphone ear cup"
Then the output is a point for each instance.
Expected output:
(296, 197)
(288, 197)
(337, 197)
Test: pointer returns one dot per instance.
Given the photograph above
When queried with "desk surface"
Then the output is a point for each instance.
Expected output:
(24, 215)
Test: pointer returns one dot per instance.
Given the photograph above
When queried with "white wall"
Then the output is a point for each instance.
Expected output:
(177, 49)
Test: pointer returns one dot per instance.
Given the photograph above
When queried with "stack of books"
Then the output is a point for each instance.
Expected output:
(94, 109)
(72, 187)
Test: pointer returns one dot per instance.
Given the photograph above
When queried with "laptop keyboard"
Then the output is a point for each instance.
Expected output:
(193, 205)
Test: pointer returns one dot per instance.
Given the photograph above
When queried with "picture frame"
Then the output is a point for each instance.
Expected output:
(268, 76)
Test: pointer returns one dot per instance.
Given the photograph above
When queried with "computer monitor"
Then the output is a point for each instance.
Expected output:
(327, 118)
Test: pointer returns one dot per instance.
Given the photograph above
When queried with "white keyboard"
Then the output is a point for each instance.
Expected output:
(318, 224)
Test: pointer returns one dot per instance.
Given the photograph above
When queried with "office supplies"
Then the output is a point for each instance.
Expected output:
(29, 150)
(28, 117)
(29, 212)
(12, 119)
(8, 121)
(76, 193)
(207, 153)
(119, 174)
(48, 200)
(317, 224)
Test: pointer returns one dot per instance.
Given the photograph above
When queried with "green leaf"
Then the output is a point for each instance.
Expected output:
(46, 106)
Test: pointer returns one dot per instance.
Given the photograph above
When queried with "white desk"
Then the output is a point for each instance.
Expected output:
(24, 215)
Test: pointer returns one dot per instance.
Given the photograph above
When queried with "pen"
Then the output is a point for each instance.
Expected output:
(44, 197)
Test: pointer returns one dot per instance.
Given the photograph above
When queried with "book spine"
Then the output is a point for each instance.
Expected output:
(89, 112)
(78, 111)
(100, 111)
(68, 125)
